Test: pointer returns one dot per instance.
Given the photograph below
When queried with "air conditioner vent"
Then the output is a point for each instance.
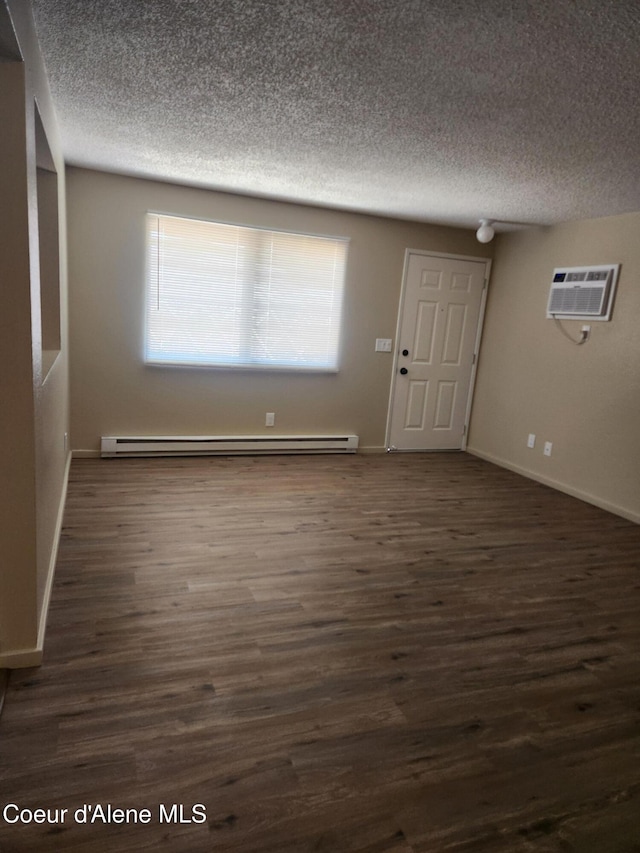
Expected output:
(577, 300)
(578, 292)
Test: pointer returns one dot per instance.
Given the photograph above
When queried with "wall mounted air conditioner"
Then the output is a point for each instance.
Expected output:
(579, 292)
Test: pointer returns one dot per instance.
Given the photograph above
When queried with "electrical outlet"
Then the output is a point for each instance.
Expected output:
(531, 441)
(383, 344)
(547, 448)
(270, 419)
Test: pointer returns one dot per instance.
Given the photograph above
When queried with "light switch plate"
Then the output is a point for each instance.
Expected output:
(383, 344)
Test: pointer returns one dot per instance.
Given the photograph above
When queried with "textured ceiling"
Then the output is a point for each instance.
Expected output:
(435, 110)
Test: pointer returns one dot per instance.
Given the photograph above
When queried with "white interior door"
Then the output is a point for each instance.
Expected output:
(438, 334)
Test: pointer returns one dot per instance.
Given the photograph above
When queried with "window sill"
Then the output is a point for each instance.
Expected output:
(243, 368)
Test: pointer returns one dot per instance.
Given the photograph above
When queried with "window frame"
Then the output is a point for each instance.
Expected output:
(245, 366)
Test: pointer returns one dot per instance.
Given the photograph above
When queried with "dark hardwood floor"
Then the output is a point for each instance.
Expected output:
(371, 654)
(4, 684)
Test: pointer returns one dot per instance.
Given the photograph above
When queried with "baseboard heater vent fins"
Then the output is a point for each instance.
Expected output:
(208, 445)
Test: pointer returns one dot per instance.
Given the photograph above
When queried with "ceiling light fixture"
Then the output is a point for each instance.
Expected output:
(486, 232)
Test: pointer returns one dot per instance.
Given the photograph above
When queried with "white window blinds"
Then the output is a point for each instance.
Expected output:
(224, 295)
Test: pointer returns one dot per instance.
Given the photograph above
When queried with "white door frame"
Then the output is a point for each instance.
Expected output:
(474, 367)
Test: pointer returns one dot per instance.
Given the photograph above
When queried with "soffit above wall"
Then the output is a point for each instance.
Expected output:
(441, 111)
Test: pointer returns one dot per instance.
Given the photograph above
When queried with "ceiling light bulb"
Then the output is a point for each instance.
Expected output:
(485, 232)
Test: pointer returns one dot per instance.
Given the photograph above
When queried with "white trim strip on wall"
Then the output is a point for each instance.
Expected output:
(560, 487)
(22, 658)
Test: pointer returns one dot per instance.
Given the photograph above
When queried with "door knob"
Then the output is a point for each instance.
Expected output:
(405, 352)
(403, 371)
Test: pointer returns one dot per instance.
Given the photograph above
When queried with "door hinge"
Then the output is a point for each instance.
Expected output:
(464, 429)
(474, 359)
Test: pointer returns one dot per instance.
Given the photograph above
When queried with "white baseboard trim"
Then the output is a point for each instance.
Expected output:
(25, 658)
(21, 659)
(561, 487)
(54, 556)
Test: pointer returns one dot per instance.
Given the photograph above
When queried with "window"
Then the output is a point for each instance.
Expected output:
(223, 295)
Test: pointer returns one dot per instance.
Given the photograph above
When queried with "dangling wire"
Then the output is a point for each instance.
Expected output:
(584, 334)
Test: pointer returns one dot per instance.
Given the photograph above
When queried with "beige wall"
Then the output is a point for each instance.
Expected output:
(34, 415)
(18, 625)
(113, 392)
(531, 379)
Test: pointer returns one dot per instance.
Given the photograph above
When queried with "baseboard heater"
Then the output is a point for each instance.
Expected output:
(224, 445)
